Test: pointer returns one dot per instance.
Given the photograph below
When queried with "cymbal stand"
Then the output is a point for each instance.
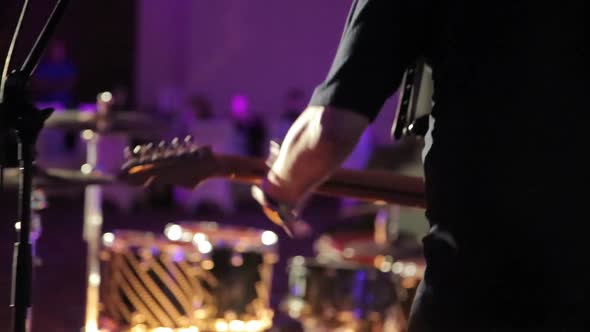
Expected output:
(386, 224)
(93, 218)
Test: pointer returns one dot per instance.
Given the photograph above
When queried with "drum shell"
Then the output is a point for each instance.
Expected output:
(152, 281)
(339, 293)
(147, 280)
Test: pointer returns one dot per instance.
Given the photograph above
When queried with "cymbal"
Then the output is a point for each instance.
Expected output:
(58, 177)
(133, 123)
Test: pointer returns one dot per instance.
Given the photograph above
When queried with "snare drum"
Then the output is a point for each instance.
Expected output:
(340, 296)
(198, 275)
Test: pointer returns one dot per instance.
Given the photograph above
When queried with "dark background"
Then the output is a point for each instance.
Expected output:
(100, 36)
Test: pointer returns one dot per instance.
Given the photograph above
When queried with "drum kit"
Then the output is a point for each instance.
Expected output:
(203, 276)
(195, 276)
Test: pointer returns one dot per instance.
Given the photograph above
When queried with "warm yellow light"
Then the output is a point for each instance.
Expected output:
(205, 247)
(237, 326)
(173, 232)
(189, 329)
(410, 270)
(200, 314)
(397, 267)
(108, 239)
(379, 259)
(269, 238)
(106, 97)
(221, 326)
(253, 326)
(94, 279)
(207, 264)
(199, 237)
(87, 134)
(91, 326)
(385, 266)
(383, 263)
(142, 328)
(86, 169)
(139, 328)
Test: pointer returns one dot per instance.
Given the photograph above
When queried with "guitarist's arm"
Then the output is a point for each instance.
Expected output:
(369, 65)
(315, 145)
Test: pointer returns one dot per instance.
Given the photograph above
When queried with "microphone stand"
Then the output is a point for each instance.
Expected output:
(23, 121)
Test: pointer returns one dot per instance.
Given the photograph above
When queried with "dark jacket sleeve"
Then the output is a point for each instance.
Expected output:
(380, 39)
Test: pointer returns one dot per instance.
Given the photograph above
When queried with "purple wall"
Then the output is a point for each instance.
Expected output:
(257, 47)
(222, 47)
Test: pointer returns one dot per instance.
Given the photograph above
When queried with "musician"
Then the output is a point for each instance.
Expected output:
(249, 126)
(502, 159)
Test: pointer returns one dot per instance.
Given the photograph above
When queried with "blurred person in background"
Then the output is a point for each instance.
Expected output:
(54, 82)
(56, 76)
(294, 102)
(201, 107)
(251, 132)
(214, 198)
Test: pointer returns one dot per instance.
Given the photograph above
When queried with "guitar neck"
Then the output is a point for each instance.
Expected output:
(371, 185)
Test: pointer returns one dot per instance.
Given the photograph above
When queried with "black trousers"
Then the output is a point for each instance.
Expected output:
(470, 294)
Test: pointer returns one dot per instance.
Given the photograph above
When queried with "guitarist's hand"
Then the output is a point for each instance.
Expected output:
(291, 223)
(315, 145)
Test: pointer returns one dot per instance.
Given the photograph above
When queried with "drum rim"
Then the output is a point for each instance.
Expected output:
(243, 238)
(305, 262)
(123, 239)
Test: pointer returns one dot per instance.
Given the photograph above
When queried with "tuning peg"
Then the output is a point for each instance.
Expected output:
(175, 142)
(146, 151)
(173, 147)
(159, 151)
(136, 150)
(147, 148)
(189, 145)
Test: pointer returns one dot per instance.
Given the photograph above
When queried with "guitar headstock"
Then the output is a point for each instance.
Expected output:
(177, 162)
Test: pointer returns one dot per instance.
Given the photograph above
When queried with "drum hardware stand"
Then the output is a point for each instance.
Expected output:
(93, 216)
(386, 224)
(20, 119)
(38, 203)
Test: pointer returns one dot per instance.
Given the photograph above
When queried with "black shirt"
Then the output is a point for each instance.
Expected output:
(504, 173)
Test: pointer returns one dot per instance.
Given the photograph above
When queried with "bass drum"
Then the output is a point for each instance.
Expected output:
(342, 296)
(400, 256)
